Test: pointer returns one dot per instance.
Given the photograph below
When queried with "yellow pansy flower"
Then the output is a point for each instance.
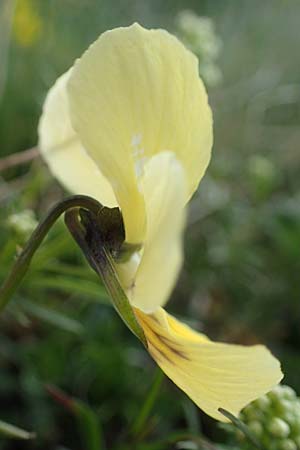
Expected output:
(129, 124)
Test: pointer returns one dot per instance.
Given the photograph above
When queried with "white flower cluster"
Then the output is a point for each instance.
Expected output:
(22, 223)
(199, 35)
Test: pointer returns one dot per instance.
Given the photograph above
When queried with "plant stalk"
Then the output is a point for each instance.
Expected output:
(101, 261)
(22, 262)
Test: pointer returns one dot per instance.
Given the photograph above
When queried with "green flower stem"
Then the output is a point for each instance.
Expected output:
(242, 427)
(100, 259)
(22, 263)
(97, 253)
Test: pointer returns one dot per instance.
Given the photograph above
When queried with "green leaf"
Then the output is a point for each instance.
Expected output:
(89, 426)
(88, 421)
(71, 285)
(146, 408)
(22, 263)
(52, 317)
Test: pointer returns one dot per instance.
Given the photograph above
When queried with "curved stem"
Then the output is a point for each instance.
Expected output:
(242, 427)
(101, 261)
(22, 263)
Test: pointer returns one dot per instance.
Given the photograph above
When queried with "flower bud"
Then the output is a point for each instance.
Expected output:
(283, 407)
(297, 440)
(251, 413)
(279, 428)
(276, 394)
(256, 428)
(262, 403)
(287, 444)
(288, 393)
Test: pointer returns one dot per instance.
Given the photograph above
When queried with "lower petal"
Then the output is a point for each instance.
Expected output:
(214, 375)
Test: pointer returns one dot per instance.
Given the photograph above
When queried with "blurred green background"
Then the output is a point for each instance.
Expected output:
(240, 281)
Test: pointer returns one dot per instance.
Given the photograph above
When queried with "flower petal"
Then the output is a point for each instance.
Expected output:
(164, 189)
(135, 93)
(63, 152)
(213, 375)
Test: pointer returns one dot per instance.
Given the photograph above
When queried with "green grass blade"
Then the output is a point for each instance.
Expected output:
(13, 432)
(146, 409)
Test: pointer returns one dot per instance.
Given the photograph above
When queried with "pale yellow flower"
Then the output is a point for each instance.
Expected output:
(130, 125)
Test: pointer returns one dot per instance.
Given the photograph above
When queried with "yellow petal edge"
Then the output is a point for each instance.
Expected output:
(149, 285)
(135, 93)
(63, 152)
(214, 375)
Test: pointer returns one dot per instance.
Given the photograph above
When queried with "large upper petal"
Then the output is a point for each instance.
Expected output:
(149, 285)
(214, 375)
(134, 93)
(63, 152)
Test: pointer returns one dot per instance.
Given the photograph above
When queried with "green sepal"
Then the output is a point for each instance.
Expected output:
(98, 243)
(100, 233)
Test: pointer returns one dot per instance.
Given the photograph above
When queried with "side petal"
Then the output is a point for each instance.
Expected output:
(164, 189)
(135, 93)
(213, 375)
(64, 154)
